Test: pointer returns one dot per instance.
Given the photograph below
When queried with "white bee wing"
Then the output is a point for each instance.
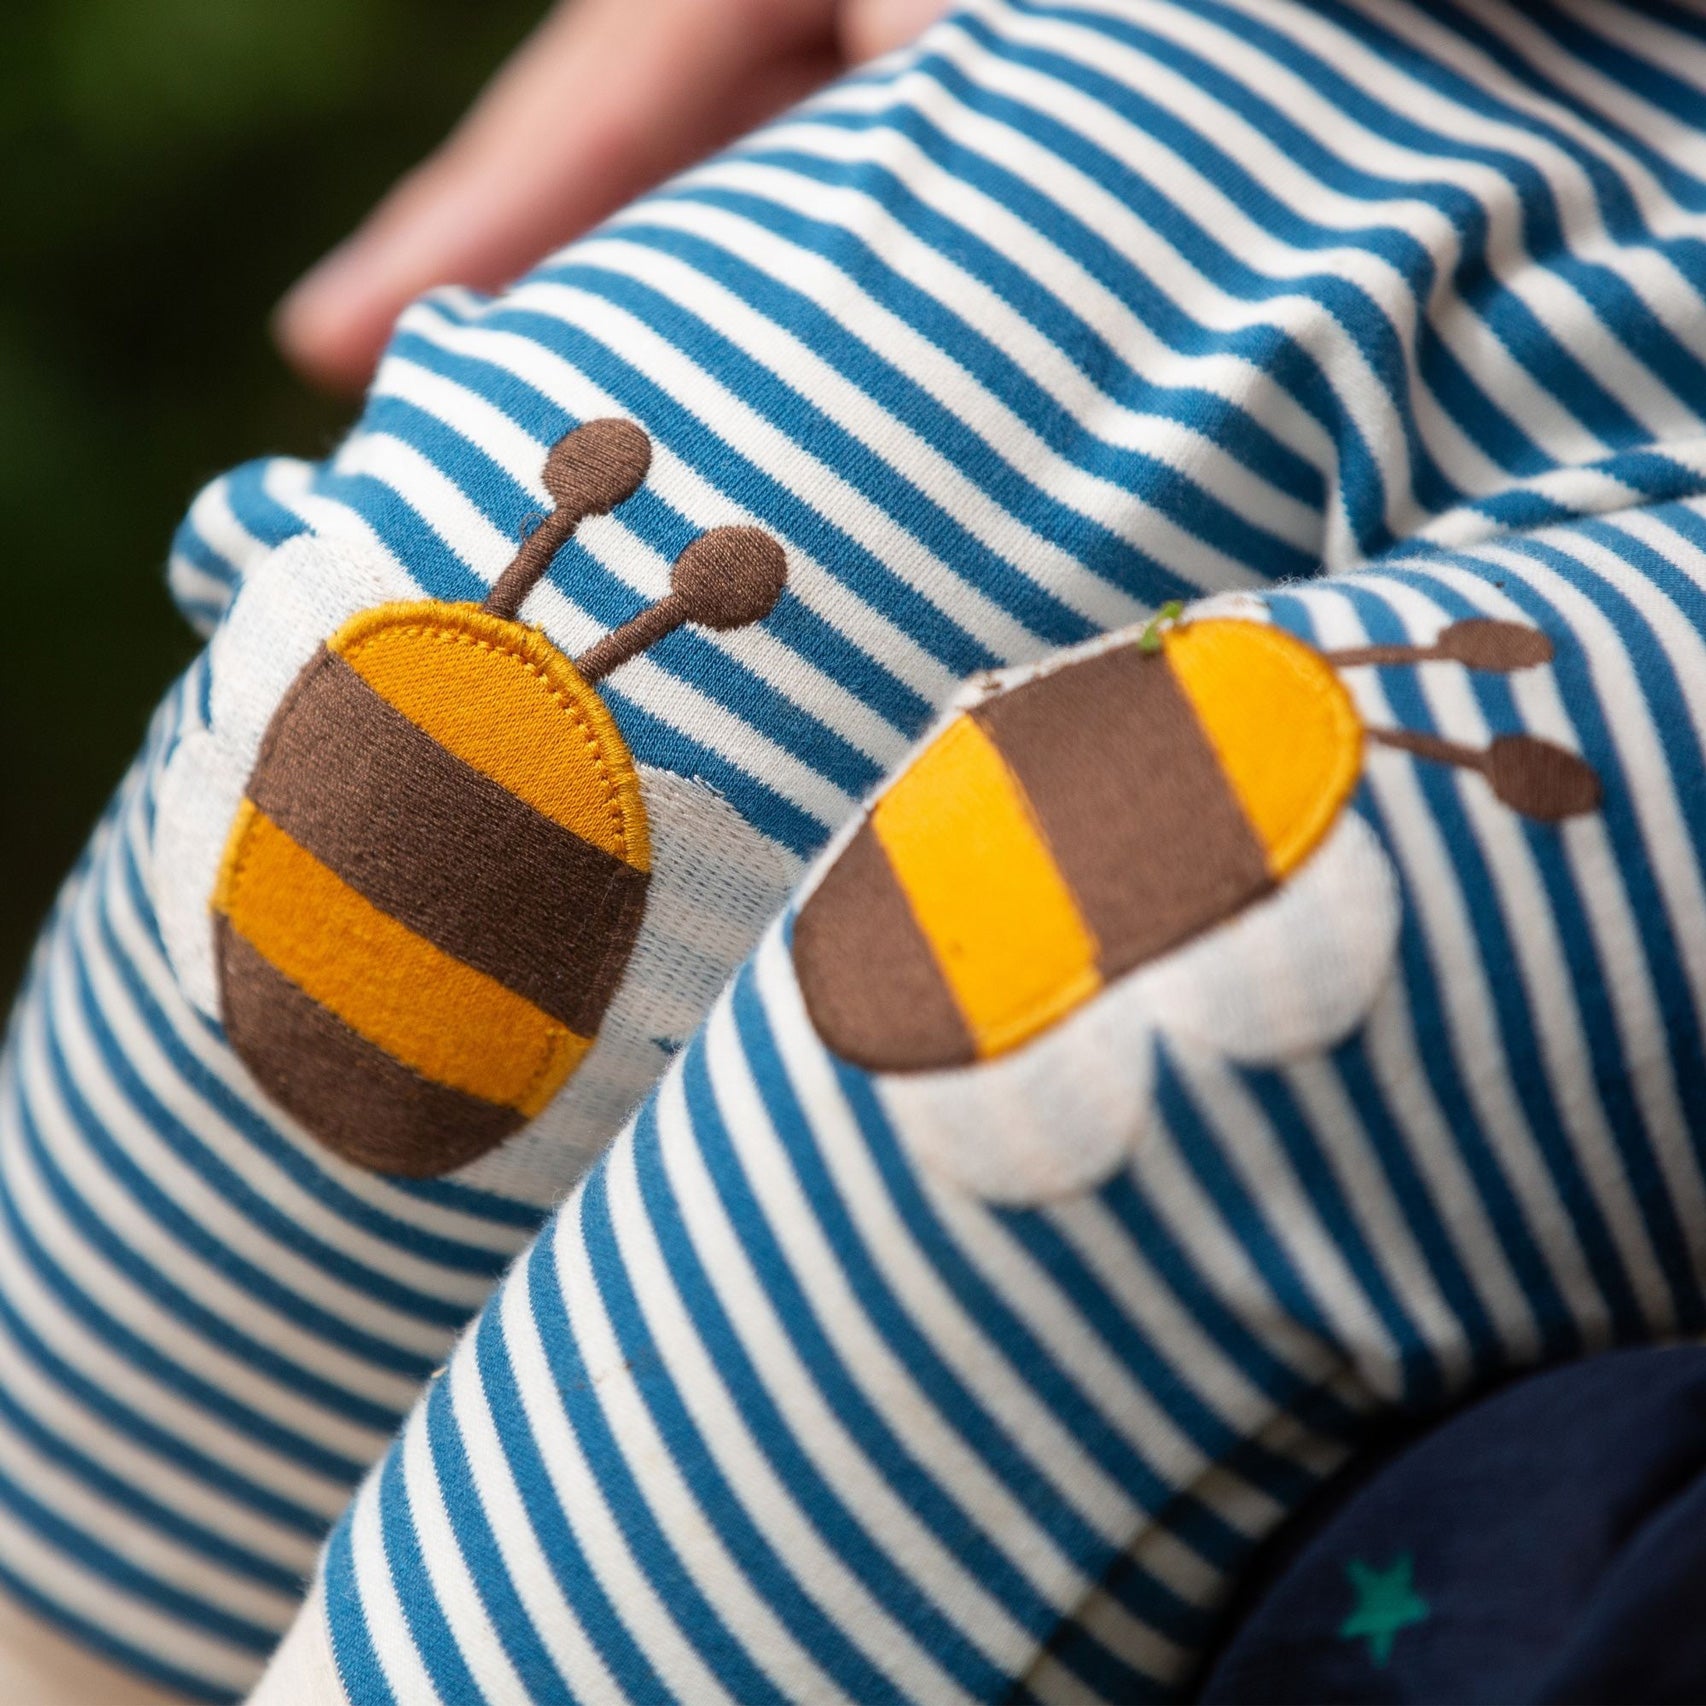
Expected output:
(1297, 972)
(199, 795)
(1290, 976)
(283, 612)
(1048, 1120)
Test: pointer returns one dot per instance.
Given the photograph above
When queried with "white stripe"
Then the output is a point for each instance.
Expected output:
(917, 1555)
(1007, 435)
(447, 1570)
(957, 290)
(553, 1618)
(101, 1604)
(378, 1605)
(918, 1290)
(580, 1498)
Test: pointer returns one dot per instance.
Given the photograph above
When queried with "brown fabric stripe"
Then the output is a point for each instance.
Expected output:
(868, 977)
(1137, 812)
(355, 1098)
(446, 850)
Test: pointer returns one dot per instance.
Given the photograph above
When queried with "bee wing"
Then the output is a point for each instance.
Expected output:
(1050, 1120)
(1290, 976)
(199, 795)
(716, 882)
(282, 614)
(1297, 972)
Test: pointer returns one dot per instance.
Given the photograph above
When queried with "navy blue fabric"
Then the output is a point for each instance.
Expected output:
(1545, 1544)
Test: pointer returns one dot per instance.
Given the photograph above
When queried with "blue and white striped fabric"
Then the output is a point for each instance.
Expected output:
(775, 1411)
(1070, 310)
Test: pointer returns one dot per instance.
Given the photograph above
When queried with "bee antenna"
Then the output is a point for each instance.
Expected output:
(1481, 643)
(1534, 777)
(726, 578)
(590, 470)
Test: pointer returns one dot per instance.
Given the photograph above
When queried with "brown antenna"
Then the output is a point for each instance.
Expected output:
(590, 470)
(1480, 642)
(724, 579)
(1532, 776)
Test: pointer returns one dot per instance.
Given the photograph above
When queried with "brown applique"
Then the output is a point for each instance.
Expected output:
(1093, 819)
(440, 868)
(589, 472)
(1530, 775)
(899, 1011)
(1481, 643)
(724, 579)
(1146, 865)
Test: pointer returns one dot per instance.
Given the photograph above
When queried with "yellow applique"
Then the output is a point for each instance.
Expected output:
(1282, 726)
(504, 700)
(974, 866)
(450, 1023)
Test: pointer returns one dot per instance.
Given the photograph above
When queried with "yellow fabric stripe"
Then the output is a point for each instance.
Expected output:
(448, 1022)
(1002, 924)
(507, 702)
(1281, 723)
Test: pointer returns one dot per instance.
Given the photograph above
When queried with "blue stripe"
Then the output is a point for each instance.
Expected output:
(579, 575)
(241, 1416)
(1220, 420)
(1523, 333)
(1515, 1021)
(429, 1630)
(478, 1547)
(1423, 1218)
(1027, 1480)
(95, 1635)
(792, 622)
(359, 1669)
(178, 1224)
(259, 513)
(974, 457)
(1313, 1167)
(825, 1507)
(696, 1620)
(241, 1560)
(1588, 969)
(792, 412)
(124, 1418)
(614, 1642)
(1172, 1388)
(722, 464)
(767, 1570)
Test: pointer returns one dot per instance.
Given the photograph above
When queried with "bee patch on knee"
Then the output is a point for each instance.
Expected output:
(1148, 837)
(439, 867)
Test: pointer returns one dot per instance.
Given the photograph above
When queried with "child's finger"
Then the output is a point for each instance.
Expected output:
(866, 28)
(604, 99)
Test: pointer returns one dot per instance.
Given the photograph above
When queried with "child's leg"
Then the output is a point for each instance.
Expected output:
(1075, 309)
(1287, 1016)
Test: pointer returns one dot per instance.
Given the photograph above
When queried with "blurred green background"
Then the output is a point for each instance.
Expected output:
(167, 167)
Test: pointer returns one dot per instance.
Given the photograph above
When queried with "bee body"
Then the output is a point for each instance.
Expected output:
(439, 868)
(436, 877)
(1088, 822)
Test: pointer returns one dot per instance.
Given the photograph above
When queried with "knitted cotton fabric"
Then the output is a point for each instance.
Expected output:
(1069, 311)
(788, 1403)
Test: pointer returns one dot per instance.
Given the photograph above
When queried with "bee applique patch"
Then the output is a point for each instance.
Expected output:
(1152, 836)
(440, 863)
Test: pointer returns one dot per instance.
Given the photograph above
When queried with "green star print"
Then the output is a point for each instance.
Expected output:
(1385, 1603)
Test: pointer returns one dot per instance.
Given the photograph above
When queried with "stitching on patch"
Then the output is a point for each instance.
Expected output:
(460, 636)
(1321, 690)
(555, 1030)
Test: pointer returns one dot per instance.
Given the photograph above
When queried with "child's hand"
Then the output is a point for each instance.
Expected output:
(605, 98)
